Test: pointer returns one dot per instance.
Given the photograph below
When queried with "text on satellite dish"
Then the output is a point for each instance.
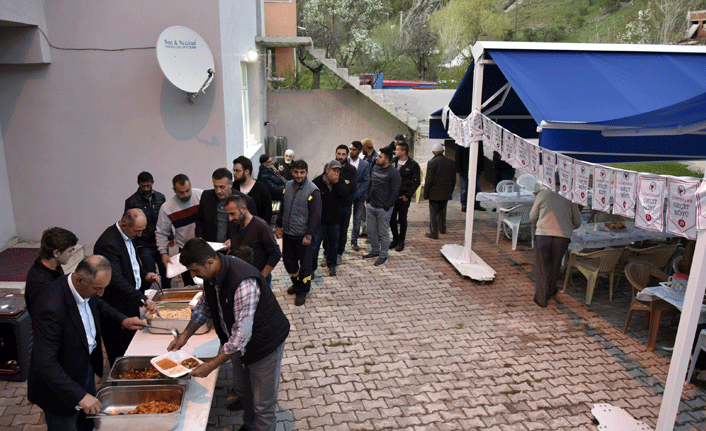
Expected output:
(178, 44)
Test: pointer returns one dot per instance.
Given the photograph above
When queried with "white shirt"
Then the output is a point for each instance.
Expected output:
(84, 310)
(133, 257)
(355, 162)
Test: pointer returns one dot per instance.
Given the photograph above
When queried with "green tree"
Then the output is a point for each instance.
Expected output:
(342, 27)
(461, 23)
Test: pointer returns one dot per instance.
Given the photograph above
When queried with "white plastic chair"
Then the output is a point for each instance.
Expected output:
(700, 345)
(527, 182)
(504, 184)
(515, 218)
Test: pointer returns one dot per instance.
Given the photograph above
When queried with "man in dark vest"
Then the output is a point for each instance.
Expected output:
(297, 223)
(250, 325)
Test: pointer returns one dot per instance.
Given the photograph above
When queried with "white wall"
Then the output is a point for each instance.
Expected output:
(315, 122)
(77, 132)
(7, 218)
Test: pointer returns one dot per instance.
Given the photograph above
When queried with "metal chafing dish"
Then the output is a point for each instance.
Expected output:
(172, 295)
(126, 363)
(117, 401)
(164, 326)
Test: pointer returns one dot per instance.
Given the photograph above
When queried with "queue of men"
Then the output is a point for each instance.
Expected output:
(105, 297)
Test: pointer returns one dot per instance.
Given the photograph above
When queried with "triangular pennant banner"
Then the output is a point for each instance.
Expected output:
(650, 202)
(681, 210)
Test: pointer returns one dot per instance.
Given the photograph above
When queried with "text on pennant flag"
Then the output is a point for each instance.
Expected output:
(681, 210)
(534, 155)
(496, 138)
(548, 167)
(508, 146)
(650, 202)
(582, 173)
(521, 159)
(701, 207)
(624, 192)
(602, 178)
(565, 166)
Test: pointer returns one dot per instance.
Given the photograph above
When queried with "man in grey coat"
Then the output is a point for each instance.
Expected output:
(382, 193)
(439, 185)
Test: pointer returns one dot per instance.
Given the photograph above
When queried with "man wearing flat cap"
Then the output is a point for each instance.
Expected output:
(333, 195)
(439, 184)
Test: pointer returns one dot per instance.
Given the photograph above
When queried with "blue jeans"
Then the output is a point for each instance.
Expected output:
(463, 183)
(328, 234)
(257, 386)
(379, 230)
(358, 211)
(345, 220)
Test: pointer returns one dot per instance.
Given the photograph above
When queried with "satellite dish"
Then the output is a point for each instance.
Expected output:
(185, 59)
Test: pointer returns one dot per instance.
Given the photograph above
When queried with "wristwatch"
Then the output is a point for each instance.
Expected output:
(308, 237)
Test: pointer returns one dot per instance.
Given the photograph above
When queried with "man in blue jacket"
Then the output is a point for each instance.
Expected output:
(383, 191)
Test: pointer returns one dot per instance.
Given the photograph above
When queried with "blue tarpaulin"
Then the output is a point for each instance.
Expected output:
(648, 89)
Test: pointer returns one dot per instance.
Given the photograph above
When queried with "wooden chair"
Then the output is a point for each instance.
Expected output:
(593, 265)
(638, 274)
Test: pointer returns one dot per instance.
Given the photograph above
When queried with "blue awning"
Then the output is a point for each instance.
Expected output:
(460, 105)
(676, 132)
(591, 87)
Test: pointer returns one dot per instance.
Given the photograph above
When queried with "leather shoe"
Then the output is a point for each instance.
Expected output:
(380, 261)
(393, 244)
(355, 247)
(292, 290)
(332, 271)
(300, 300)
(400, 246)
(235, 406)
(429, 235)
(370, 255)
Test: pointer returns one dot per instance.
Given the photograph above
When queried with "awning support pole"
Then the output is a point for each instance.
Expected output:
(685, 337)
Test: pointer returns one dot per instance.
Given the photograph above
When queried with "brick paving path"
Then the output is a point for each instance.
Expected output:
(413, 345)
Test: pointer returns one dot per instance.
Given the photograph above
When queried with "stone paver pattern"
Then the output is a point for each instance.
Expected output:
(412, 345)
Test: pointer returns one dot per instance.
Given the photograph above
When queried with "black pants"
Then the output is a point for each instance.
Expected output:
(399, 214)
(549, 250)
(116, 339)
(297, 259)
(437, 217)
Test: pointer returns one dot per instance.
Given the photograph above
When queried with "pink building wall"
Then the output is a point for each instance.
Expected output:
(281, 21)
(76, 132)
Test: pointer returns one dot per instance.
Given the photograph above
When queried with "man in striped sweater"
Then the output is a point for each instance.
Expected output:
(177, 220)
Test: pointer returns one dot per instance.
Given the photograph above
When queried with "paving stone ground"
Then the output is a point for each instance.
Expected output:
(412, 345)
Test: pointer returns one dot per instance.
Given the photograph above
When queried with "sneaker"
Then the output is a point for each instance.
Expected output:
(429, 235)
(300, 300)
(393, 244)
(400, 247)
(370, 255)
(380, 261)
(292, 290)
(332, 271)
(355, 247)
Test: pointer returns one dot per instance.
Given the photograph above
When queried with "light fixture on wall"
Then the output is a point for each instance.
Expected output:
(252, 56)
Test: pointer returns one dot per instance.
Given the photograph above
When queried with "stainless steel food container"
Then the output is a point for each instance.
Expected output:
(118, 400)
(126, 363)
(180, 324)
(169, 295)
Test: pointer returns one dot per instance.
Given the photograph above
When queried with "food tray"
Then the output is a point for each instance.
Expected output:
(604, 227)
(164, 326)
(177, 357)
(122, 399)
(172, 295)
(126, 363)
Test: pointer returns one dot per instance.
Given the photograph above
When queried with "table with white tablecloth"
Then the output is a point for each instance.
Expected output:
(506, 200)
(666, 293)
(597, 235)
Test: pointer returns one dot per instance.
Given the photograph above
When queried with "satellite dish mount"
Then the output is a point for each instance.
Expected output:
(185, 60)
